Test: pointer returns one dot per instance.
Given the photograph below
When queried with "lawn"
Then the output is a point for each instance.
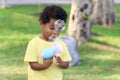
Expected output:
(19, 24)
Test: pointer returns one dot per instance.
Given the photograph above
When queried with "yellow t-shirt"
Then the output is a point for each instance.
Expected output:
(33, 54)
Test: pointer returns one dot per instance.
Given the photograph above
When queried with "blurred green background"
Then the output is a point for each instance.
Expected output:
(19, 24)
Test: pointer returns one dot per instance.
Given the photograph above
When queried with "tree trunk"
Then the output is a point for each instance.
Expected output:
(4, 3)
(79, 23)
(104, 12)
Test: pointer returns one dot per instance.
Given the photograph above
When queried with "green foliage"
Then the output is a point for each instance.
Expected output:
(86, 17)
(19, 24)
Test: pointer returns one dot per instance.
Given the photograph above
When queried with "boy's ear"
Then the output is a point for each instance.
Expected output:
(41, 23)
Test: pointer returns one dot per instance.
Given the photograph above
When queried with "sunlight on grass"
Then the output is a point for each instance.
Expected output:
(113, 77)
(103, 57)
(7, 73)
(110, 40)
(12, 70)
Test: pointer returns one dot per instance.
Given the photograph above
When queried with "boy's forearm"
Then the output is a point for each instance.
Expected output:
(37, 67)
(46, 64)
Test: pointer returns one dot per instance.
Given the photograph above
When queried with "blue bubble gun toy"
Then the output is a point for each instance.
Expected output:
(50, 52)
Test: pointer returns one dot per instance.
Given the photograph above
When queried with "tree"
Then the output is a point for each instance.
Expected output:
(4, 3)
(79, 23)
(103, 12)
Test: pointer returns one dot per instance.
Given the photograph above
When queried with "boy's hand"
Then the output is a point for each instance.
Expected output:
(47, 62)
(60, 63)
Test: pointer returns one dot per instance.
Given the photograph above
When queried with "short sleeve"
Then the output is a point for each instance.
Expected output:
(31, 53)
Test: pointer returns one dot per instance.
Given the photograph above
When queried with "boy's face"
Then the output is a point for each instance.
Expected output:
(49, 30)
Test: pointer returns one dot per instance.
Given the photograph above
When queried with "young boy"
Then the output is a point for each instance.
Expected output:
(47, 69)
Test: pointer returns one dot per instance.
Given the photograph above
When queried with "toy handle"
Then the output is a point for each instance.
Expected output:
(57, 47)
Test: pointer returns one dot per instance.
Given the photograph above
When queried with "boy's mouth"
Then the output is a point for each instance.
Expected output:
(52, 37)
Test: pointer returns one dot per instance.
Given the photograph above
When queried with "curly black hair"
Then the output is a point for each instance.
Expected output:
(52, 11)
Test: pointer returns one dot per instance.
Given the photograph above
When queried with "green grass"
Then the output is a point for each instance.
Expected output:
(100, 56)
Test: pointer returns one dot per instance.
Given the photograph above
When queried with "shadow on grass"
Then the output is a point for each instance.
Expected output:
(105, 46)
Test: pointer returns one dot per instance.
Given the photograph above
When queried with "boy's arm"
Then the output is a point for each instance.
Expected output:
(62, 64)
(38, 67)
